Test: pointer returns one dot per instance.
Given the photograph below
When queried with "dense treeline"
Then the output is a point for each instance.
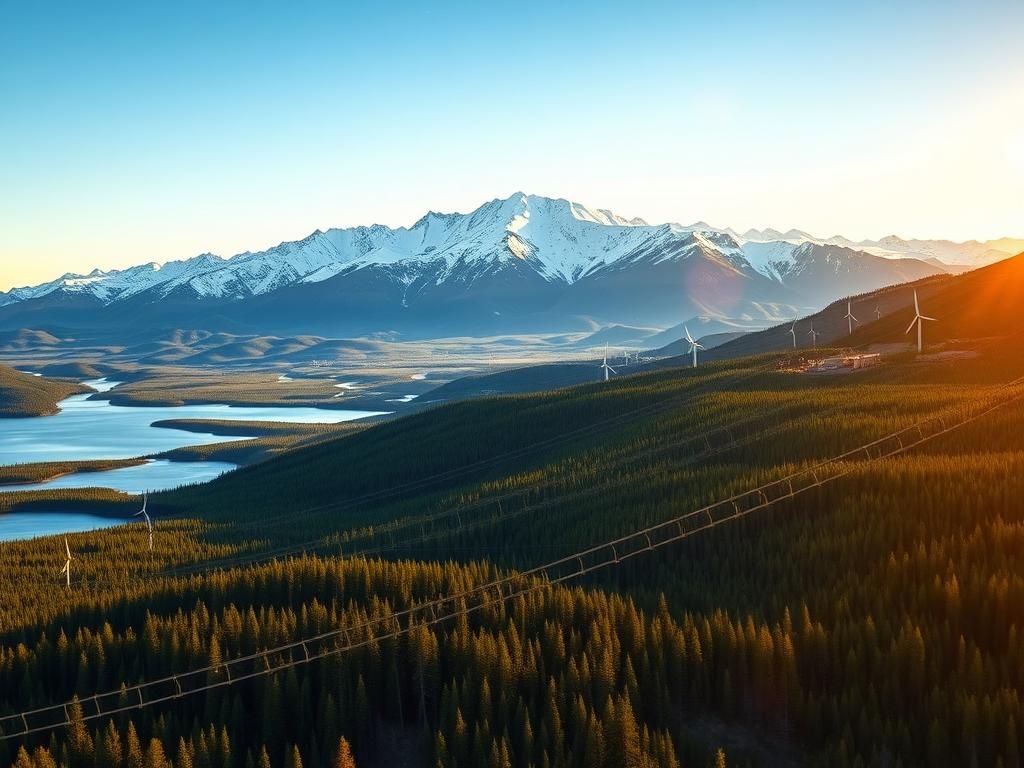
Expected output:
(37, 472)
(560, 677)
(875, 620)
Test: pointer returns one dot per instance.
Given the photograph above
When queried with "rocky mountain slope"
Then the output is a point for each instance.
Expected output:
(524, 263)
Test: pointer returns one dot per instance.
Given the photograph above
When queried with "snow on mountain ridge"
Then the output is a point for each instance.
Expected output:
(560, 240)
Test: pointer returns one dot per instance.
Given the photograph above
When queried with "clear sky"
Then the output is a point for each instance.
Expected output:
(152, 131)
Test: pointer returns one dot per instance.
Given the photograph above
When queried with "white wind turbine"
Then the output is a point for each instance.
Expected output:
(878, 313)
(850, 319)
(66, 570)
(918, 319)
(694, 345)
(605, 365)
(814, 336)
(145, 516)
(792, 332)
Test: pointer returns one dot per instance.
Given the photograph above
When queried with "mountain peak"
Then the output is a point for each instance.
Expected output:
(557, 239)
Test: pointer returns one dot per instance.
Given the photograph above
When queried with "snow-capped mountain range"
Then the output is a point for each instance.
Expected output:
(526, 258)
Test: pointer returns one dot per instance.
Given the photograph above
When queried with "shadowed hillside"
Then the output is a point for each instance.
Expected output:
(977, 304)
(22, 394)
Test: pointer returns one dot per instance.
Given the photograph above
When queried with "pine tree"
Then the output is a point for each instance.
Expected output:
(42, 758)
(184, 757)
(622, 737)
(134, 757)
(79, 740)
(344, 758)
(155, 755)
(109, 750)
(293, 758)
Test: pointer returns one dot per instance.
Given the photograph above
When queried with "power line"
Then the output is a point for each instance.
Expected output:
(736, 434)
(650, 409)
(500, 590)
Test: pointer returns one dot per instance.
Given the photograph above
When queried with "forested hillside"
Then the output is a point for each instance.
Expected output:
(870, 617)
(22, 394)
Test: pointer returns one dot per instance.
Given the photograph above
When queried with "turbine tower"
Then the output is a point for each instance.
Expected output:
(66, 570)
(919, 320)
(145, 516)
(850, 319)
(792, 332)
(605, 365)
(814, 336)
(694, 345)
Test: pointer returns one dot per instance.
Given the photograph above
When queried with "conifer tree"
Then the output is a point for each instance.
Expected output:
(343, 757)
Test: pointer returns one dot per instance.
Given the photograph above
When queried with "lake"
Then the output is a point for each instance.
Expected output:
(154, 475)
(28, 525)
(95, 429)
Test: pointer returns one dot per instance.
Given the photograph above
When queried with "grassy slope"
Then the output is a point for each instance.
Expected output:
(24, 395)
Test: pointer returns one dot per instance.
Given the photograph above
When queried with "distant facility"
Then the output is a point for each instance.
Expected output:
(855, 362)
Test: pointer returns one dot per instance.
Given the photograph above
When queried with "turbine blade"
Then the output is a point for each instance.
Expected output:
(917, 307)
(911, 326)
(925, 317)
(689, 338)
(67, 548)
(612, 370)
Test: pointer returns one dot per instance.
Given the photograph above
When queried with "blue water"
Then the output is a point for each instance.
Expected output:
(155, 475)
(95, 429)
(28, 525)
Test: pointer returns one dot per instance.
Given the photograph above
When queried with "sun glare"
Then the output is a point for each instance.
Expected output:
(1015, 154)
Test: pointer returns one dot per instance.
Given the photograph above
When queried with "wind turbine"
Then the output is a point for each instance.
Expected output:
(814, 336)
(918, 318)
(145, 516)
(850, 319)
(792, 332)
(605, 365)
(66, 570)
(878, 313)
(694, 345)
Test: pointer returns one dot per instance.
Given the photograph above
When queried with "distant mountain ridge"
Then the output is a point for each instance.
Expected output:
(516, 264)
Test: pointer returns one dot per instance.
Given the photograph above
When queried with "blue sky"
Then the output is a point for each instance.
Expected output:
(145, 131)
